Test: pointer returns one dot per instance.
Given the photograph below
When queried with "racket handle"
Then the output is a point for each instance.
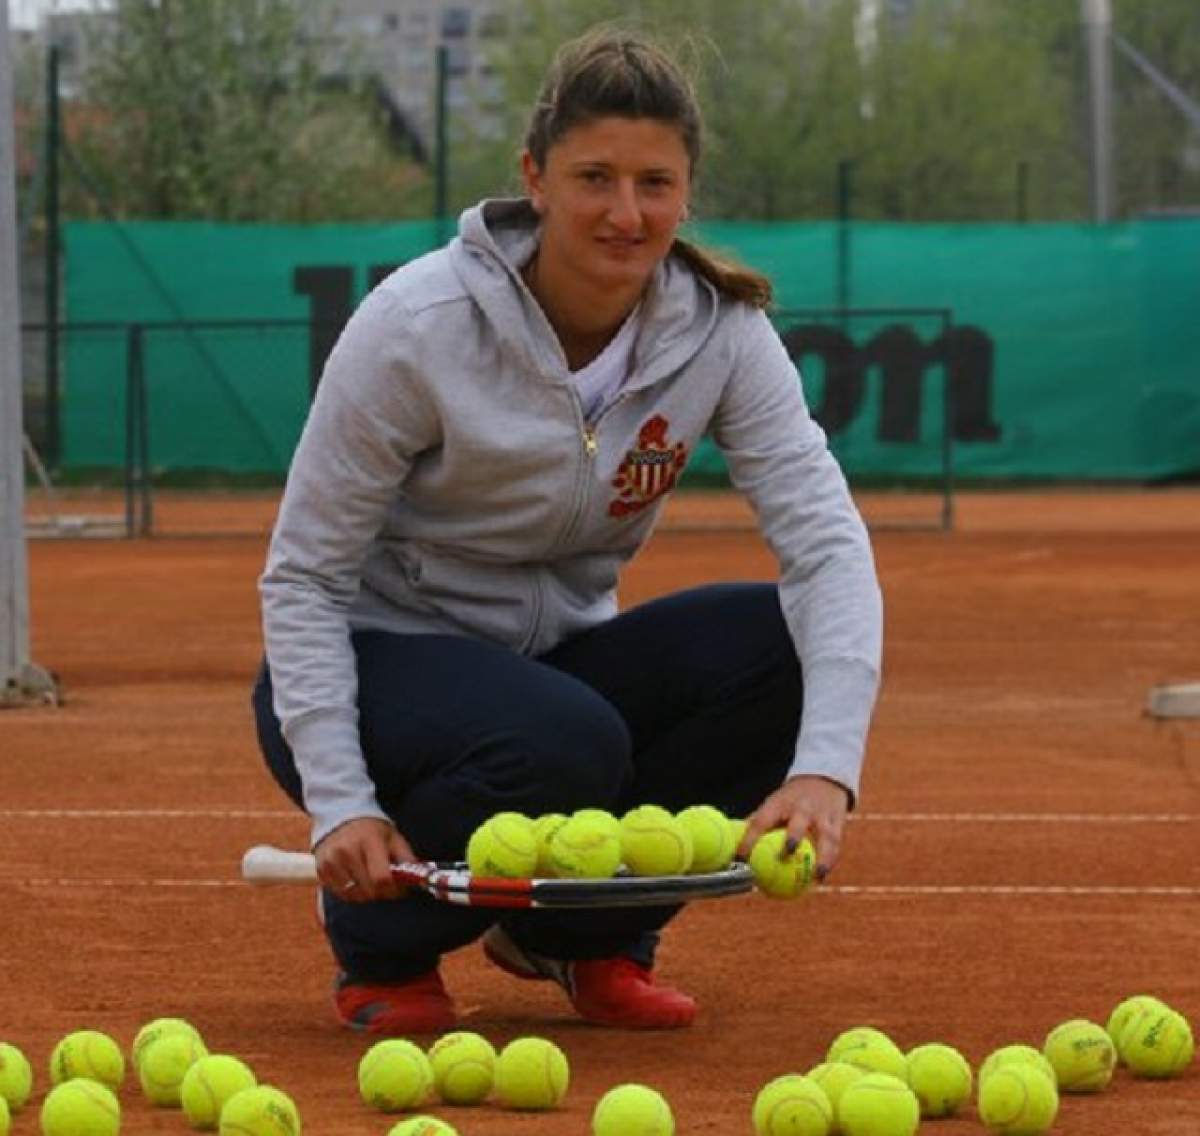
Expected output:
(264, 864)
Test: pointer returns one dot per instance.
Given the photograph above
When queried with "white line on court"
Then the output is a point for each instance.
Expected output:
(1023, 890)
(152, 814)
(893, 818)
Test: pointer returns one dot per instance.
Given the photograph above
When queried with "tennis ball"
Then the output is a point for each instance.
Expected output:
(1018, 1099)
(463, 1066)
(532, 1073)
(777, 876)
(712, 838)
(16, 1077)
(791, 1105)
(260, 1111)
(654, 843)
(941, 1078)
(834, 1077)
(878, 1104)
(81, 1107)
(1082, 1054)
(586, 846)
(394, 1074)
(504, 845)
(423, 1126)
(88, 1053)
(633, 1108)
(869, 1049)
(1016, 1055)
(544, 827)
(208, 1084)
(1157, 1043)
(165, 1063)
(1119, 1018)
(153, 1030)
(737, 829)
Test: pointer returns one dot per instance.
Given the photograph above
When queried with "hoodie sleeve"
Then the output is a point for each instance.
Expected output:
(777, 455)
(368, 421)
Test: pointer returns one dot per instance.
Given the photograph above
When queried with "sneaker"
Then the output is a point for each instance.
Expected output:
(609, 992)
(416, 1005)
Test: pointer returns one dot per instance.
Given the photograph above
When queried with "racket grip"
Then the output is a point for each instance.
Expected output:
(264, 864)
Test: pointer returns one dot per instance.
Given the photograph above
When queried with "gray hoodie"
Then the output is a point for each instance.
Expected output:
(446, 481)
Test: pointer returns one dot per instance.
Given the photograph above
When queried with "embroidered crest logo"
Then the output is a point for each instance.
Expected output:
(649, 470)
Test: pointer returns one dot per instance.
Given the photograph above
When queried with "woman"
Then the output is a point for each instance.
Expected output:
(492, 440)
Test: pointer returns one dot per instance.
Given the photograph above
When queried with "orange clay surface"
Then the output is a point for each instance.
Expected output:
(1027, 848)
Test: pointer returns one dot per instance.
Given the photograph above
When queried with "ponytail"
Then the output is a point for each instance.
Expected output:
(731, 279)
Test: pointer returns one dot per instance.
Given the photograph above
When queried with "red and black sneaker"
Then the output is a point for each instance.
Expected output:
(609, 992)
(416, 1005)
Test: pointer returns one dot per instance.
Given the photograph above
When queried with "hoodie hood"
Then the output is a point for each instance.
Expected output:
(499, 236)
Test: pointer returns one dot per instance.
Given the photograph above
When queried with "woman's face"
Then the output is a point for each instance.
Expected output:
(611, 194)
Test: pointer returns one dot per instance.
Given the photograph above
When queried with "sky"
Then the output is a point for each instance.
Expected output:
(27, 13)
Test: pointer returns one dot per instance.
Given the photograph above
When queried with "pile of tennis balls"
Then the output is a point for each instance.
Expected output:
(87, 1069)
(461, 1068)
(530, 1074)
(648, 840)
(868, 1086)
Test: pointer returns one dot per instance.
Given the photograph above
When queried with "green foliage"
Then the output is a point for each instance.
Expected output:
(217, 109)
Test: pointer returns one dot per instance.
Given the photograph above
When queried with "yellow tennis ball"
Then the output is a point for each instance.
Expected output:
(463, 1066)
(631, 1108)
(532, 1073)
(586, 846)
(260, 1111)
(209, 1083)
(791, 1105)
(712, 838)
(1016, 1054)
(780, 876)
(165, 1063)
(1082, 1055)
(544, 827)
(1121, 1013)
(834, 1077)
(1157, 1043)
(88, 1053)
(394, 1074)
(737, 829)
(1018, 1099)
(16, 1076)
(878, 1104)
(504, 845)
(941, 1078)
(156, 1028)
(869, 1049)
(81, 1107)
(654, 843)
(423, 1126)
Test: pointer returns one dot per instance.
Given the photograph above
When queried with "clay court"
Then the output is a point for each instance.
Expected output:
(1027, 848)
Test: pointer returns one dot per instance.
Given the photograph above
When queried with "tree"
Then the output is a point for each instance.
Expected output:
(224, 110)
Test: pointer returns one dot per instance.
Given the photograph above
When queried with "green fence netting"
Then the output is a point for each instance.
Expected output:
(1072, 351)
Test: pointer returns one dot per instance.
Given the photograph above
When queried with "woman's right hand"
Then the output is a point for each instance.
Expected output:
(354, 861)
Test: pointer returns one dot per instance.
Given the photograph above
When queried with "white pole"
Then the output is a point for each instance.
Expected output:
(1097, 26)
(20, 681)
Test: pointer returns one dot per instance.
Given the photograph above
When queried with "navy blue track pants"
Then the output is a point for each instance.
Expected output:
(694, 698)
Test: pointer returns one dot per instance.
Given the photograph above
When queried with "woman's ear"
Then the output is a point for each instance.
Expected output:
(531, 175)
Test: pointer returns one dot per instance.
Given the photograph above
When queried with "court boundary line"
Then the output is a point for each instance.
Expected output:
(894, 818)
(849, 890)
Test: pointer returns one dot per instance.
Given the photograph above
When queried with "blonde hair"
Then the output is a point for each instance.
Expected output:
(614, 72)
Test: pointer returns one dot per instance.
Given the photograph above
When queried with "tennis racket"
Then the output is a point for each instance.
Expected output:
(454, 883)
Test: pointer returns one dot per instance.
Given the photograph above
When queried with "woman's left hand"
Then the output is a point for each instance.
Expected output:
(805, 805)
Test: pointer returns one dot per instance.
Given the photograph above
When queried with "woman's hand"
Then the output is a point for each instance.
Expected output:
(806, 806)
(354, 861)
